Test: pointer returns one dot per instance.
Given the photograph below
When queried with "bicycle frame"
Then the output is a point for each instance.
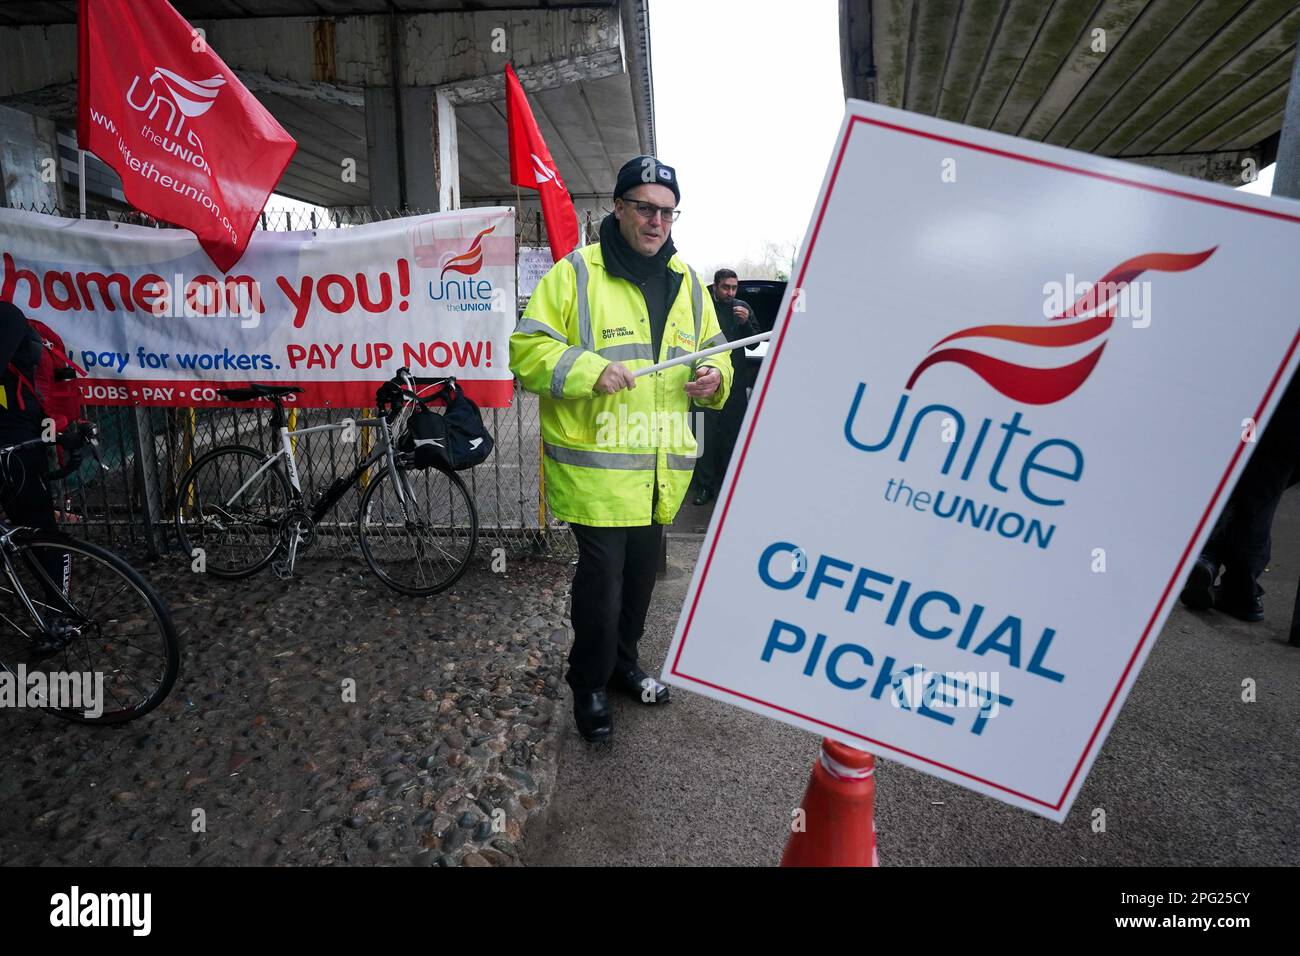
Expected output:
(385, 452)
(334, 494)
(7, 551)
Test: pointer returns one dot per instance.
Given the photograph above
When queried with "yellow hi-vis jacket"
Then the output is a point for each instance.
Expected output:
(604, 455)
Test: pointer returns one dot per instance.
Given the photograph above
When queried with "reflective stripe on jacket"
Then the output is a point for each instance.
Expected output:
(605, 455)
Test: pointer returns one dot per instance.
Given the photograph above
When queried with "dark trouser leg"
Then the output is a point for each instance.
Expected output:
(706, 467)
(639, 567)
(597, 596)
(1243, 539)
(1246, 539)
(26, 501)
(733, 413)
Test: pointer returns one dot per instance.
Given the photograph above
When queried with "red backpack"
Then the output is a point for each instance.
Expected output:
(56, 379)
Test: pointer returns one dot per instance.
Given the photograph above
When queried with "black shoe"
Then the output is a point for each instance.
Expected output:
(1243, 608)
(637, 683)
(703, 497)
(1198, 592)
(592, 714)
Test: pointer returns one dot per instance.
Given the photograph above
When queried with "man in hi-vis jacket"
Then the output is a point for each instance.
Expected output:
(618, 451)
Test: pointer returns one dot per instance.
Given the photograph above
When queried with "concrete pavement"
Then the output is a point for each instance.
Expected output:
(1189, 775)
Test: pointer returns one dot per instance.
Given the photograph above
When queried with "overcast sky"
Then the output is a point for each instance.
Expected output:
(748, 101)
(1264, 184)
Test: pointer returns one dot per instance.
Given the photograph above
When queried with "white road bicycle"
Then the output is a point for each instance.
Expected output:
(70, 609)
(244, 509)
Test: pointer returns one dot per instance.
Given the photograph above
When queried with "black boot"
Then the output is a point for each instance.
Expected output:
(1239, 604)
(703, 497)
(637, 683)
(1239, 596)
(1198, 592)
(592, 714)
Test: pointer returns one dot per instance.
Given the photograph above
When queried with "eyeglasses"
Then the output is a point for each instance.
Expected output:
(647, 210)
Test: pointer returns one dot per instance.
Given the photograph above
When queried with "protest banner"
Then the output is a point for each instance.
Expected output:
(334, 311)
(1008, 393)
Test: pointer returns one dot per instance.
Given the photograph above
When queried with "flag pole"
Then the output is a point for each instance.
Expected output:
(81, 180)
(541, 468)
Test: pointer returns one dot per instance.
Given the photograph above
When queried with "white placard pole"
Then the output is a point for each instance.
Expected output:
(683, 359)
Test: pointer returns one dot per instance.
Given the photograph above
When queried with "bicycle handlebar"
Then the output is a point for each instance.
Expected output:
(77, 436)
(402, 388)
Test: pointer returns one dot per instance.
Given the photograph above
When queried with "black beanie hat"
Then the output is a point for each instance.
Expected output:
(644, 170)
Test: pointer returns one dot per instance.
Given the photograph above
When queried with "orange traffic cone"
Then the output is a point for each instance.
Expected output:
(837, 826)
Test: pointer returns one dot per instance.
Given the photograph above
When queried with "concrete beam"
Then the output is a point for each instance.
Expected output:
(890, 29)
(973, 34)
(1109, 46)
(1240, 49)
(1229, 167)
(933, 40)
(326, 92)
(1016, 32)
(548, 75)
(635, 17)
(431, 49)
(1058, 37)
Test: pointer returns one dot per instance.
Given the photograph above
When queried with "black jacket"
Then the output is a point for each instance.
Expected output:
(734, 329)
(20, 347)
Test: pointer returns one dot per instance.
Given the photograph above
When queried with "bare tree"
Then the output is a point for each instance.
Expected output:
(774, 261)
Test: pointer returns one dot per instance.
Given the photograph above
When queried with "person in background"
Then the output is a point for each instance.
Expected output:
(1242, 542)
(721, 427)
(23, 491)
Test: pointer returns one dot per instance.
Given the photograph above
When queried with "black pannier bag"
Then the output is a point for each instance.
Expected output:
(456, 439)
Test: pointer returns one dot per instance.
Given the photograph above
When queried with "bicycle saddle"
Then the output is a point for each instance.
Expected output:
(255, 391)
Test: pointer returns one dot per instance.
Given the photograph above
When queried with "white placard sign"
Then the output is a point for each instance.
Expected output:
(533, 264)
(995, 425)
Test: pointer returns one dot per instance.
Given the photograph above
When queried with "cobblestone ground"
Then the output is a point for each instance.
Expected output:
(443, 758)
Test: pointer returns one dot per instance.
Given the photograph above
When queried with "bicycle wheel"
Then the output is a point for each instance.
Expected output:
(232, 512)
(425, 547)
(109, 651)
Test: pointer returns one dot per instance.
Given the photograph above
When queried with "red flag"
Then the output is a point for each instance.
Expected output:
(192, 145)
(531, 166)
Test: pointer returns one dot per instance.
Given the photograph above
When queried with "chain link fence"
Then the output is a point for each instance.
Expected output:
(130, 504)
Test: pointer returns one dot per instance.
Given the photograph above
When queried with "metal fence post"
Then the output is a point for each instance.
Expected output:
(146, 463)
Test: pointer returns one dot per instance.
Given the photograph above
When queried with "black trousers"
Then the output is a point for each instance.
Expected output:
(1242, 541)
(611, 594)
(721, 428)
(25, 497)
(23, 493)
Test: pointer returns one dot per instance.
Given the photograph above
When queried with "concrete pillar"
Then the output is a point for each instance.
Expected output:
(446, 153)
(29, 156)
(1286, 178)
(426, 172)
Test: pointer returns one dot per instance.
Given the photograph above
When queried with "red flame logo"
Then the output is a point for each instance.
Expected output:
(470, 261)
(1042, 386)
